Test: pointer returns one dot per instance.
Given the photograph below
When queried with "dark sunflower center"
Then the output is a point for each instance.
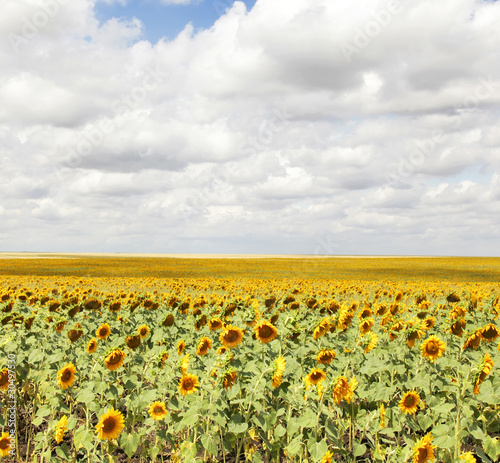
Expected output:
(422, 455)
(215, 324)
(109, 424)
(144, 331)
(489, 333)
(316, 376)
(158, 410)
(188, 384)
(3, 378)
(66, 376)
(410, 401)
(231, 336)
(266, 331)
(4, 444)
(114, 359)
(103, 332)
(204, 345)
(432, 348)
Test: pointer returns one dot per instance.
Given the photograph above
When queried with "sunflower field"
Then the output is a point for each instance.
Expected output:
(255, 368)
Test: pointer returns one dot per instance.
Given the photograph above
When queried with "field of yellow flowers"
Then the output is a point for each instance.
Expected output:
(258, 360)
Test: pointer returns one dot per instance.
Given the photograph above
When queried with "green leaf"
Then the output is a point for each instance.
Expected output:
(492, 447)
(83, 437)
(237, 424)
(293, 448)
(317, 449)
(63, 451)
(129, 443)
(86, 396)
(190, 419)
(279, 431)
(358, 449)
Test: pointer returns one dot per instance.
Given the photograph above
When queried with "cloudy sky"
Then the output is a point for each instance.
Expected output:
(265, 126)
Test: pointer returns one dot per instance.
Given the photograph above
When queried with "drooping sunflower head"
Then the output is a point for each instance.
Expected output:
(103, 331)
(204, 346)
(428, 323)
(143, 331)
(314, 377)
(214, 324)
(457, 328)
(157, 411)
(409, 403)
(340, 389)
(432, 348)
(61, 427)
(5, 444)
(4, 379)
(229, 379)
(110, 425)
(473, 340)
(423, 451)
(181, 345)
(366, 325)
(325, 356)
(188, 384)
(184, 364)
(278, 373)
(169, 320)
(265, 331)
(133, 342)
(92, 346)
(66, 375)
(75, 334)
(115, 359)
(484, 370)
(490, 332)
(372, 343)
(231, 336)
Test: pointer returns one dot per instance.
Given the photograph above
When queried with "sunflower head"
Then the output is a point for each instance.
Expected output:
(143, 331)
(5, 444)
(61, 427)
(432, 348)
(103, 331)
(366, 325)
(229, 379)
(75, 334)
(110, 425)
(181, 345)
(4, 379)
(490, 332)
(325, 356)
(423, 451)
(133, 342)
(314, 377)
(278, 373)
(188, 384)
(92, 346)
(214, 324)
(265, 331)
(115, 359)
(204, 346)
(66, 375)
(231, 336)
(409, 403)
(157, 411)
(169, 320)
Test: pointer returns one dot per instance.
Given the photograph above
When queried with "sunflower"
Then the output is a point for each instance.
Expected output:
(169, 320)
(372, 343)
(314, 377)
(343, 389)
(366, 325)
(231, 336)
(473, 340)
(278, 373)
(181, 345)
(60, 326)
(133, 342)
(423, 451)
(327, 457)
(325, 356)
(4, 379)
(103, 331)
(115, 359)
(157, 411)
(110, 425)
(432, 348)
(409, 403)
(61, 428)
(412, 334)
(66, 375)
(188, 384)
(458, 327)
(214, 324)
(265, 331)
(221, 350)
(428, 323)
(467, 457)
(204, 346)
(382, 416)
(490, 332)
(92, 346)
(143, 331)
(185, 364)
(484, 370)
(75, 334)
(163, 357)
(229, 379)
(5, 444)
